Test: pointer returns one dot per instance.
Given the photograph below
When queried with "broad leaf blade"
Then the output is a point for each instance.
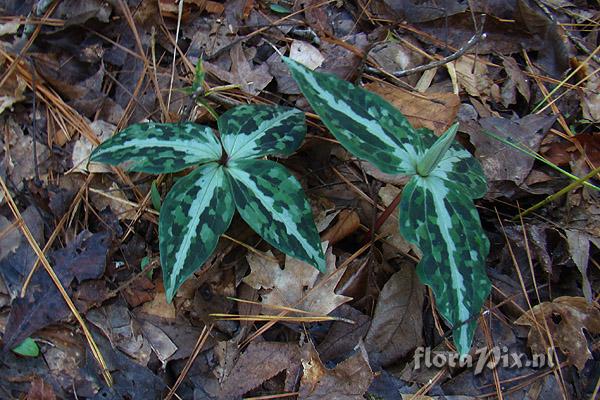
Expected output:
(195, 213)
(457, 166)
(364, 123)
(252, 131)
(159, 148)
(443, 222)
(273, 203)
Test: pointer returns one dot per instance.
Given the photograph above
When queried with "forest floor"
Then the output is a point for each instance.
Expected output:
(73, 73)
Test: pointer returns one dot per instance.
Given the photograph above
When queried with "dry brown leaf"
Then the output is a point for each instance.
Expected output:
(472, 75)
(306, 54)
(398, 320)
(349, 380)
(435, 111)
(590, 99)
(347, 223)
(579, 248)
(260, 362)
(576, 314)
(40, 390)
(517, 80)
(251, 80)
(83, 148)
(296, 285)
(390, 227)
(285, 285)
(11, 93)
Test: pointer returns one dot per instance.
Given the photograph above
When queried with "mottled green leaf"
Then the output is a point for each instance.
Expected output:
(436, 152)
(195, 213)
(364, 123)
(252, 131)
(273, 203)
(458, 166)
(27, 348)
(442, 221)
(159, 148)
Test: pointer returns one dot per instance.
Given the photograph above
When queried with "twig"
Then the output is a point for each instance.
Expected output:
(571, 37)
(399, 74)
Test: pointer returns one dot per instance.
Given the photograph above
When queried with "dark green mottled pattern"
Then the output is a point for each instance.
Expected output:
(252, 131)
(444, 224)
(458, 166)
(159, 148)
(364, 123)
(195, 213)
(272, 202)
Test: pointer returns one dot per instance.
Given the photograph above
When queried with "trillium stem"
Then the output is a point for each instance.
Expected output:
(435, 153)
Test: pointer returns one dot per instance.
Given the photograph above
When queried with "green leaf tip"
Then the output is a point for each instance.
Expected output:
(435, 153)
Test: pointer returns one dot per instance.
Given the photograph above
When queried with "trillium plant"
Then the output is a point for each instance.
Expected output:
(232, 173)
(437, 213)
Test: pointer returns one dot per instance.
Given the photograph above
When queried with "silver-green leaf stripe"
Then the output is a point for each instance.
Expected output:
(252, 131)
(273, 203)
(195, 213)
(458, 166)
(444, 224)
(364, 123)
(159, 148)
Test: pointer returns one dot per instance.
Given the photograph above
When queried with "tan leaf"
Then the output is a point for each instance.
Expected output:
(347, 223)
(349, 380)
(260, 362)
(472, 75)
(251, 80)
(306, 54)
(576, 314)
(435, 111)
(398, 320)
(296, 285)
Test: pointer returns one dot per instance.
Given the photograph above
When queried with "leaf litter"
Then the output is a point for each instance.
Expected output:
(98, 67)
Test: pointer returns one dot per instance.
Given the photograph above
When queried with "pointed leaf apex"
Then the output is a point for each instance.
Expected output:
(436, 152)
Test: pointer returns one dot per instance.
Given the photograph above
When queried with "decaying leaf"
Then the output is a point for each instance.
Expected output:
(43, 305)
(40, 390)
(579, 247)
(296, 285)
(348, 222)
(472, 75)
(349, 380)
(398, 320)
(575, 315)
(251, 79)
(501, 162)
(435, 111)
(306, 54)
(260, 362)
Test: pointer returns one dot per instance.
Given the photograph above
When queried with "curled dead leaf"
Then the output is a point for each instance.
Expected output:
(575, 314)
(349, 380)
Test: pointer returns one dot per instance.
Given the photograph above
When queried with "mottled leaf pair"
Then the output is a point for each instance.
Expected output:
(436, 211)
(200, 206)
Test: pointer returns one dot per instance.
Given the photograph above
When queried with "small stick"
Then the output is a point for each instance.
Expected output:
(399, 74)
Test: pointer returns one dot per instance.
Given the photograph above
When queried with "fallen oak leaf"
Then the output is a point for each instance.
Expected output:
(296, 285)
(435, 111)
(349, 380)
(271, 357)
(576, 314)
(251, 80)
(397, 324)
